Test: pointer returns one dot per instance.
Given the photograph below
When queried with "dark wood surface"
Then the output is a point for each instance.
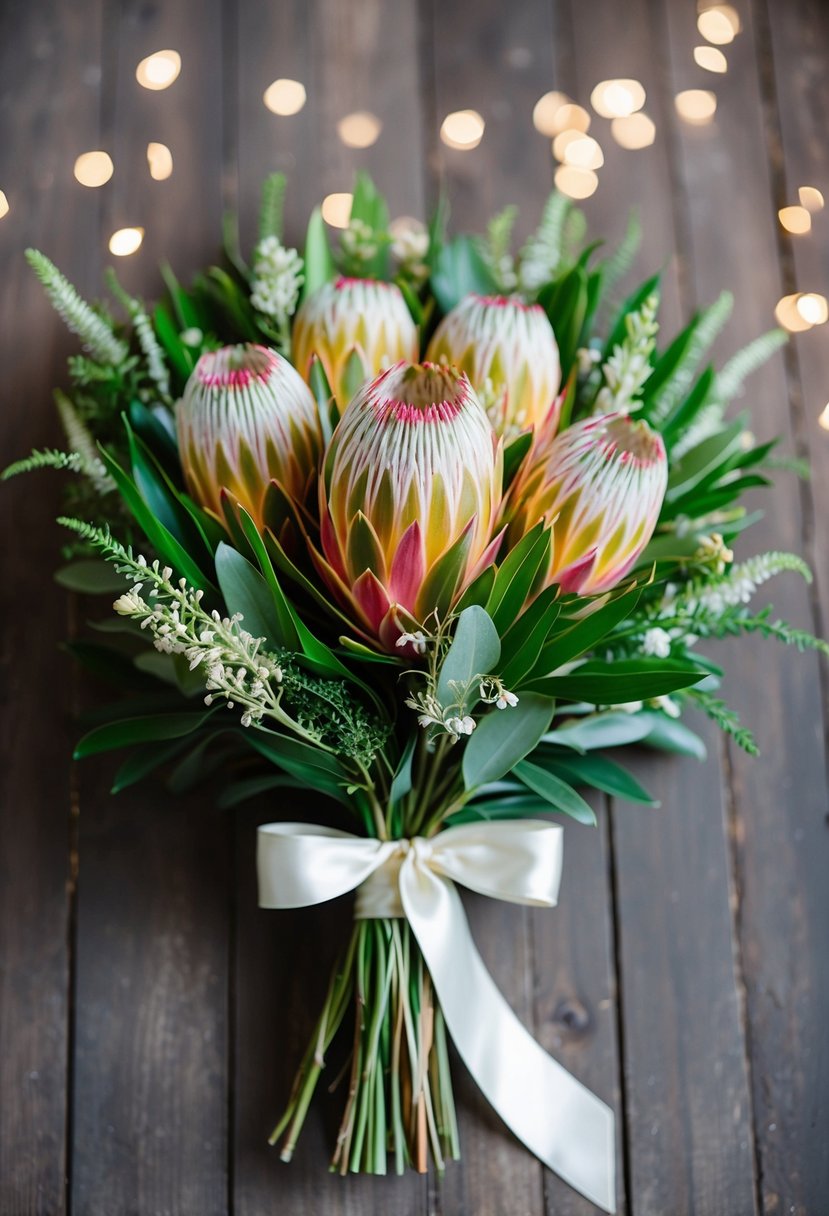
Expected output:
(150, 1014)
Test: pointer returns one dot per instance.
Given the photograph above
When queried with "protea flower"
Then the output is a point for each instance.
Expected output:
(246, 418)
(356, 328)
(408, 499)
(508, 351)
(600, 484)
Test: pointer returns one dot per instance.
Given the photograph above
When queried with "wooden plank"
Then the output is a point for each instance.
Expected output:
(687, 1102)
(782, 801)
(49, 103)
(150, 1078)
(556, 967)
(349, 59)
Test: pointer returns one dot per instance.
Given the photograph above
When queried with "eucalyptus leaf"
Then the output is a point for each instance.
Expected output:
(90, 577)
(149, 729)
(245, 591)
(558, 793)
(474, 651)
(503, 738)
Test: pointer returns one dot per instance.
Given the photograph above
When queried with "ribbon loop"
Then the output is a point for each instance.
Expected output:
(558, 1118)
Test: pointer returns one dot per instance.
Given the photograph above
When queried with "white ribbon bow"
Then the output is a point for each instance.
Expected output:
(558, 1118)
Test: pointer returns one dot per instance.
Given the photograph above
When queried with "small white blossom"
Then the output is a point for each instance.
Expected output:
(506, 699)
(277, 279)
(629, 366)
(657, 643)
(416, 640)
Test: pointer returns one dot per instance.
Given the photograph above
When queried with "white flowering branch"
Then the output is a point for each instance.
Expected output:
(277, 279)
(94, 332)
(629, 366)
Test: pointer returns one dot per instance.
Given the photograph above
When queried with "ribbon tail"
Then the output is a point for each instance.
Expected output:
(556, 1117)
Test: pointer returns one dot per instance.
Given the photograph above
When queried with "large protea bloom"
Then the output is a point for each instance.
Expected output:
(508, 351)
(409, 498)
(600, 484)
(356, 328)
(246, 419)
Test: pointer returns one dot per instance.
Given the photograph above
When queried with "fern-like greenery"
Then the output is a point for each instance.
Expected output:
(96, 333)
(272, 208)
(542, 254)
(695, 341)
(497, 247)
(726, 718)
(731, 377)
(45, 458)
(616, 266)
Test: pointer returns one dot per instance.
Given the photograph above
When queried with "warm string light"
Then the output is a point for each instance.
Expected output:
(636, 131)
(126, 241)
(802, 311)
(584, 152)
(710, 59)
(617, 98)
(159, 70)
(336, 209)
(93, 169)
(546, 113)
(160, 161)
(576, 183)
(810, 198)
(813, 308)
(4, 205)
(359, 130)
(285, 97)
(462, 130)
(719, 23)
(796, 220)
(696, 106)
(823, 419)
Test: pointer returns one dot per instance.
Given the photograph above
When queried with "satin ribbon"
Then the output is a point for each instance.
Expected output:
(558, 1118)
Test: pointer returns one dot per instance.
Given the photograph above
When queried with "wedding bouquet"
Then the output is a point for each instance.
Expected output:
(438, 525)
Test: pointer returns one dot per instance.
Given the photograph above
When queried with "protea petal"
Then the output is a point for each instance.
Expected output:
(416, 451)
(356, 328)
(508, 350)
(246, 418)
(600, 484)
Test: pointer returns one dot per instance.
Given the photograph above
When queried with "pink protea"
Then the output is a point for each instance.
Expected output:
(353, 325)
(508, 350)
(409, 498)
(600, 484)
(247, 418)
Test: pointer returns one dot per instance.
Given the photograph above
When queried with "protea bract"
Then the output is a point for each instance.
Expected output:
(247, 418)
(508, 350)
(409, 498)
(600, 484)
(356, 328)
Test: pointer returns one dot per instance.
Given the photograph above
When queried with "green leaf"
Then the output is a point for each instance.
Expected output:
(246, 591)
(459, 269)
(319, 264)
(602, 774)
(703, 459)
(321, 770)
(601, 730)
(143, 761)
(475, 651)
(670, 735)
(250, 787)
(90, 577)
(164, 543)
(129, 731)
(516, 575)
(516, 806)
(284, 614)
(514, 454)
(558, 793)
(621, 681)
(402, 783)
(523, 641)
(566, 303)
(503, 738)
(584, 635)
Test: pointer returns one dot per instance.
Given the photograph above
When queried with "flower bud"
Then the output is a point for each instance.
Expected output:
(409, 498)
(600, 484)
(246, 418)
(356, 328)
(508, 351)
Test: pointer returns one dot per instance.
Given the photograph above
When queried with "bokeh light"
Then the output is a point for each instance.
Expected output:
(546, 112)
(462, 130)
(636, 131)
(584, 153)
(796, 220)
(811, 198)
(285, 97)
(824, 418)
(4, 205)
(576, 183)
(719, 23)
(710, 58)
(813, 308)
(93, 168)
(359, 130)
(336, 209)
(696, 106)
(160, 160)
(126, 241)
(617, 98)
(789, 316)
(159, 70)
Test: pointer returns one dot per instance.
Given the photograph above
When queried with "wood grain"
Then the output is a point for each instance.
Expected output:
(687, 1098)
(49, 103)
(150, 1071)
